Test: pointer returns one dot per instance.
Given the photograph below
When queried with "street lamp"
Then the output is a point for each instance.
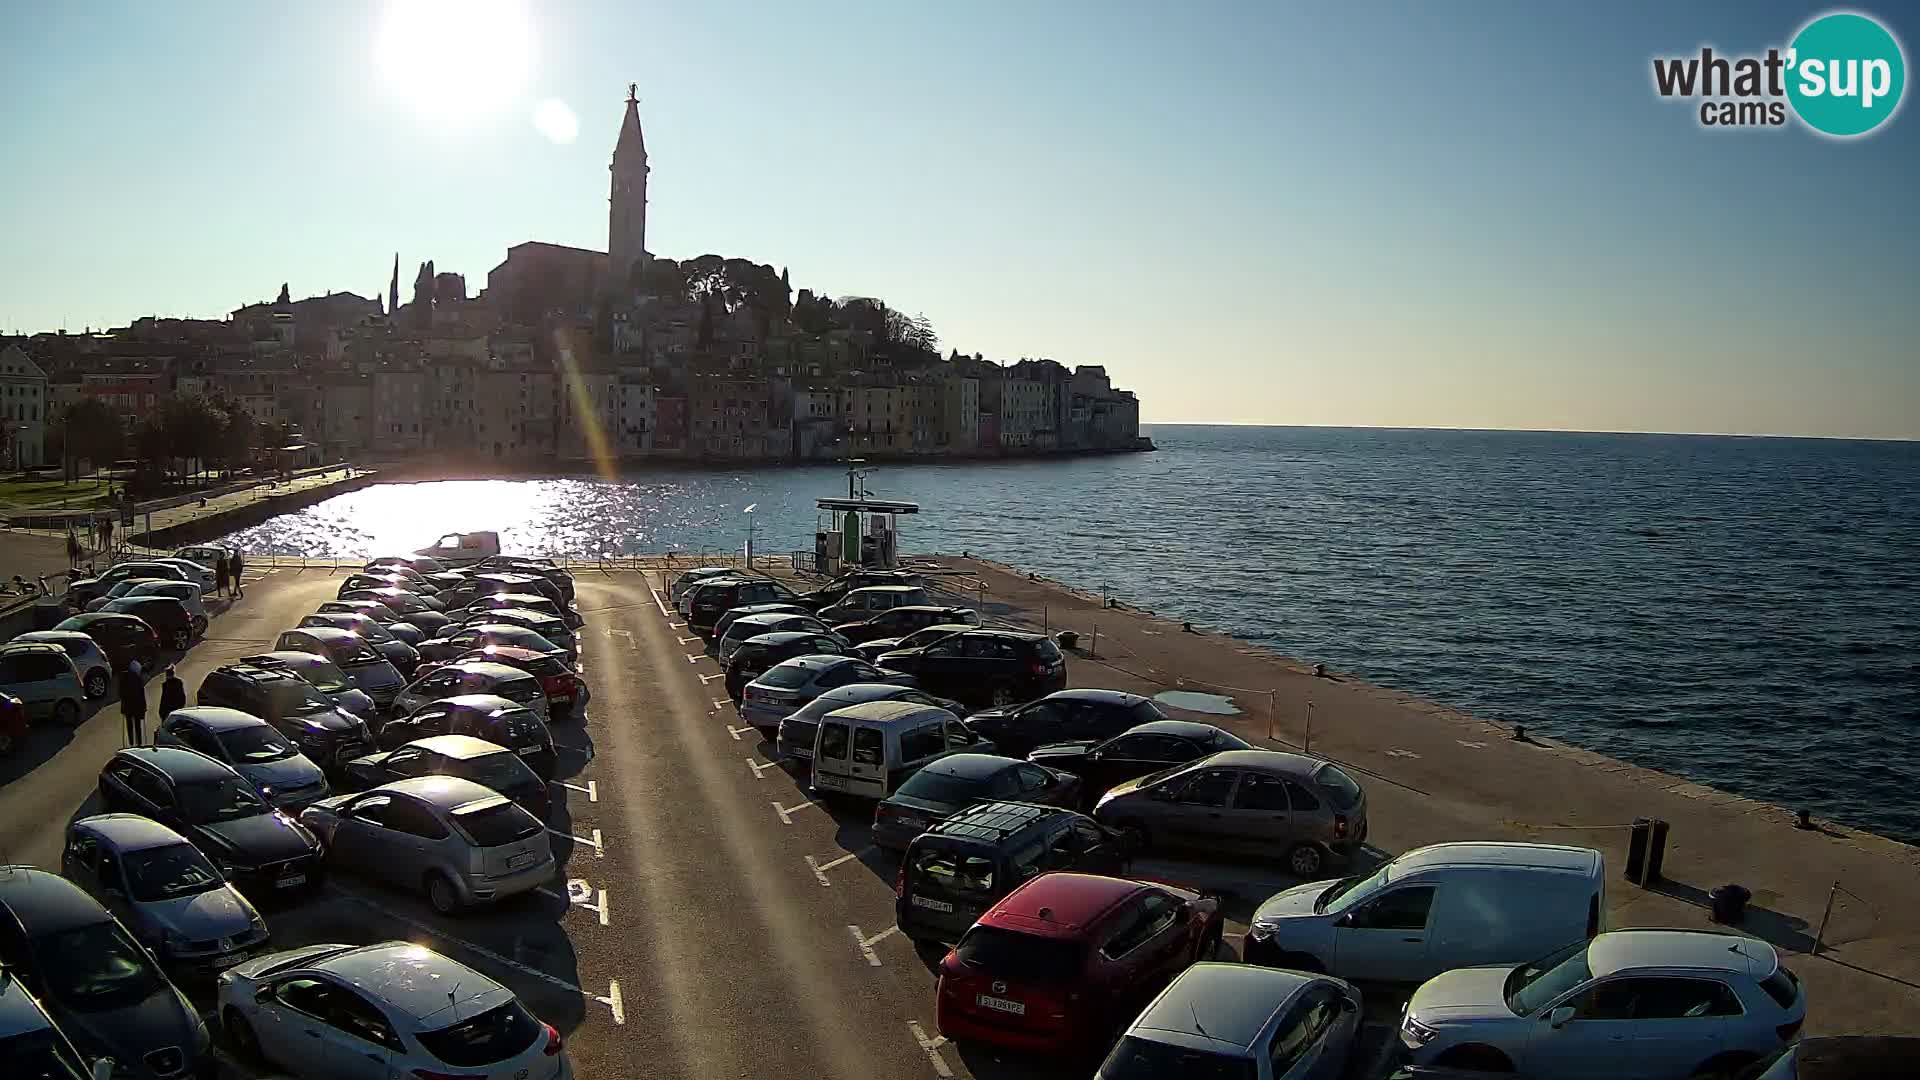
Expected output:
(749, 512)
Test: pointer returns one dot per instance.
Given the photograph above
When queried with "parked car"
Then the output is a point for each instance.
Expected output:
(416, 609)
(794, 738)
(257, 848)
(327, 734)
(254, 748)
(124, 638)
(315, 1011)
(1135, 752)
(1652, 1004)
(1065, 959)
(875, 648)
(483, 716)
(323, 675)
(732, 615)
(868, 750)
(488, 764)
(524, 602)
(13, 723)
(80, 592)
(686, 581)
(123, 588)
(550, 627)
(900, 621)
(481, 583)
(709, 599)
(958, 868)
(475, 677)
(401, 655)
(459, 640)
(95, 981)
(1063, 715)
(363, 665)
(426, 590)
(96, 670)
(562, 579)
(419, 564)
(164, 891)
(789, 684)
(985, 667)
(187, 592)
(170, 619)
(30, 1041)
(1231, 1020)
(390, 620)
(950, 784)
(205, 554)
(757, 655)
(462, 549)
(1434, 909)
(752, 626)
(862, 604)
(1846, 1057)
(460, 843)
(43, 678)
(835, 590)
(567, 693)
(1252, 802)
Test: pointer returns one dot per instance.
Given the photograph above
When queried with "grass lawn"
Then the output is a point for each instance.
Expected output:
(42, 494)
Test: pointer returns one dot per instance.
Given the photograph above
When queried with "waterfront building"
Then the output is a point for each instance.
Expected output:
(23, 408)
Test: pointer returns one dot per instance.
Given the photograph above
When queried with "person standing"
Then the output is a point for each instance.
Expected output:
(220, 575)
(133, 703)
(235, 568)
(173, 694)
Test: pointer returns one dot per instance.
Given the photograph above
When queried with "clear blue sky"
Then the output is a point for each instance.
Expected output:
(1473, 215)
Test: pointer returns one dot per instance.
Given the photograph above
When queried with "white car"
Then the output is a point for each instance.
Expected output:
(685, 582)
(333, 1012)
(184, 591)
(1650, 1004)
(195, 571)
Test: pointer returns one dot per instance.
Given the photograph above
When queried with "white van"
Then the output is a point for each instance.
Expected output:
(459, 549)
(871, 748)
(1435, 909)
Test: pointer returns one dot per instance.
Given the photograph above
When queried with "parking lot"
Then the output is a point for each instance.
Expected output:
(709, 919)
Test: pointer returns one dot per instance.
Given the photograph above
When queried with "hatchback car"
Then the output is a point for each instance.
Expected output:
(687, 580)
(797, 729)
(323, 675)
(757, 655)
(550, 627)
(188, 593)
(484, 716)
(460, 843)
(256, 749)
(1148, 748)
(104, 991)
(412, 607)
(567, 693)
(1246, 1023)
(861, 604)
(29, 1040)
(732, 615)
(985, 667)
(709, 599)
(467, 677)
(488, 764)
(96, 671)
(124, 638)
(525, 602)
(457, 640)
(783, 687)
(326, 1012)
(327, 734)
(43, 677)
(392, 621)
(170, 619)
(260, 850)
(164, 891)
(1262, 803)
(919, 639)
(355, 656)
(86, 589)
(728, 642)
(1062, 961)
(1063, 715)
(950, 784)
(958, 868)
(402, 656)
(835, 590)
(900, 621)
(1652, 1004)
(123, 588)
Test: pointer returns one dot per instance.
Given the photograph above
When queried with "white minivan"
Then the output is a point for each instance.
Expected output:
(871, 748)
(1435, 909)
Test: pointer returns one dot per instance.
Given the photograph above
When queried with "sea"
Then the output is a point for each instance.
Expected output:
(1744, 612)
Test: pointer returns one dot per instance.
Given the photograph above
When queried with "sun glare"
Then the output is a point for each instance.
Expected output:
(455, 61)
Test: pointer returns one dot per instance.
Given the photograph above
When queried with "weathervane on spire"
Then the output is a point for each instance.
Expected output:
(633, 93)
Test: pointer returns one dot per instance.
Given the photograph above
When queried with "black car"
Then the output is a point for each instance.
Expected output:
(495, 719)
(107, 993)
(985, 667)
(486, 583)
(485, 763)
(170, 619)
(944, 787)
(904, 620)
(86, 590)
(457, 641)
(534, 602)
(757, 654)
(1147, 748)
(263, 852)
(836, 590)
(1063, 716)
(412, 607)
(711, 599)
(775, 607)
(328, 735)
(124, 638)
(404, 657)
(956, 870)
(521, 564)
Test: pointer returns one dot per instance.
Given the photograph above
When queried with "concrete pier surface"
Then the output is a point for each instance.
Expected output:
(1435, 774)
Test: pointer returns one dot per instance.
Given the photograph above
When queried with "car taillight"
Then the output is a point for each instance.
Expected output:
(1340, 826)
(1038, 668)
(882, 812)
(1788, 1031)
(900, 880)
(553, 1040)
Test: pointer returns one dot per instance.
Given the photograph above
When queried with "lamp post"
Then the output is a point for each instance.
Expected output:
(749, 512)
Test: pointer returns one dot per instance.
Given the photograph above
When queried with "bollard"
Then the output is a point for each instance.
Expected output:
(1046, 618)
(1272, 716)
(1307, 747)
(1094, 648)
(1820, 935)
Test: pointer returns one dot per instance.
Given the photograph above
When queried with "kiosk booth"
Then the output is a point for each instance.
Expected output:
(858, 533)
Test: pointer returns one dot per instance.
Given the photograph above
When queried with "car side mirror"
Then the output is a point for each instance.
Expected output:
(263, 995)
(1344, 920)
(1559, 1017)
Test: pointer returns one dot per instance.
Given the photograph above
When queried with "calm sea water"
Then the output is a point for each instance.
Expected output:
(1744, 612)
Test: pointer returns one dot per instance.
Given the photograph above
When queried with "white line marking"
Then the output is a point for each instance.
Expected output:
(932, 1047)
(477, 950)
(785, 812)
(694, 658)
(705, 679)
(599, 851)
(659, 603)
(544, 891)
(678, 625)
(722, 703)
(817, 872)
(614, 1002)
(1396, 752)
(820, 868)
(591, 791)
(861, 945)
(686, 640)
(758, 767)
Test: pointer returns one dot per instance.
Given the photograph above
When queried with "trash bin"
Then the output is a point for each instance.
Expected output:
(1728, 904)
(1067, 639)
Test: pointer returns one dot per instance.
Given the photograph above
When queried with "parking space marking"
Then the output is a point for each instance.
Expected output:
(1397, 752)
(659, 603)
(865, 944)
(705, 679)
(759, 767)
(820, 868)
(687, 640)
(677, 625)
(786, 812)
(613, 1001)
(591, 791)
(581, 894)
(599, 852)
(1471, 745)
(932, 1047)
(721, 703)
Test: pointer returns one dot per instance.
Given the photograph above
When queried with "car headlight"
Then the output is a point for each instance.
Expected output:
(1261, 931)
(1415, 1033)
(175, 942)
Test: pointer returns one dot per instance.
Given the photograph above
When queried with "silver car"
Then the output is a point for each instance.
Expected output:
(1250, 802)
(320, 673)
(795, 739)
(1219, 1020)
(370, 672)
(96, 671)
(684, 584)
(164, 891)
(786, 686)
(186, 592)
(44, 679)
(747, 626)
(256, 750)
(463, 677)
(460, 843)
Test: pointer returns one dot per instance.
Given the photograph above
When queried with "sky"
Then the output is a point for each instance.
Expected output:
(1426, 215)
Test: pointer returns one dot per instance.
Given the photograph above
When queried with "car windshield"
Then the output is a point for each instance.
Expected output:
(1028, 958)
(324, 677)
(501, 772)
(96, 967)
(1349, 891)
(951, 871)
(785, 677)
(493, 1036)
(298, 699)
(356, 653)
(545, 666)
(369, 629)
(941, 788)
(1144, 1059)
(163, 873)
(496, 824)
(1533, 985)
(39, 1055)
(218, 800)
(256, 745)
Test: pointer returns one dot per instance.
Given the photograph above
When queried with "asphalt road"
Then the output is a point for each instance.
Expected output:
(710, 920)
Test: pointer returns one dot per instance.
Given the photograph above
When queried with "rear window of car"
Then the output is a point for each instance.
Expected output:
(1344, 792)
(520, 690)
(491, 1037)
(496, 824)
(951, 871)
(1782, 986)
(939, 787)
(783, 677)
(545, 666)
(1025, 957)
(1046, 650)
(1146, 712)
(1143, 1059)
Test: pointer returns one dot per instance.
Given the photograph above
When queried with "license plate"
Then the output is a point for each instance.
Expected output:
(525, 858)
(226, 960)
(290, 881)
(932, 905)
(827, 780)
(1011, 1008)
(526, 749)
(563, 699)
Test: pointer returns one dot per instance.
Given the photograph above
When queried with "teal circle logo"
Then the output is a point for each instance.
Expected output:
(1846, 74)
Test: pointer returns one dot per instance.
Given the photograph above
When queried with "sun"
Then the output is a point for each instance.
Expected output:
(455, 61)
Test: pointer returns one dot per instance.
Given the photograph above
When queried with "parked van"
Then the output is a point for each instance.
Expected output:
(458, 549)
(870, 748)
(1435, 909)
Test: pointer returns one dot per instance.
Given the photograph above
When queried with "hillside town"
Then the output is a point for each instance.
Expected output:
(567, 355)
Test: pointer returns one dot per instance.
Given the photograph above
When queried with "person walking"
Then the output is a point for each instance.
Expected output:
(133, 703)
(73, 548)
(235, 570)
(220, 576)
(173, 694)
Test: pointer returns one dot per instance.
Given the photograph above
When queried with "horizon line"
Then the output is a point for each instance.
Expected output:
(1534, 431)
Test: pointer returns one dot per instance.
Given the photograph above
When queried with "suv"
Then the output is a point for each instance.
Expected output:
(328, 735)
(170, 619)
(708, 600)
(985, 667)
(44, 679)
(956, 870)
(320, 673)
(900, 621)
(757, 655)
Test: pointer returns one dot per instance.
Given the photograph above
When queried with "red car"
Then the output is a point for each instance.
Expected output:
(1062, 964)
(13, 724)
(566, 691)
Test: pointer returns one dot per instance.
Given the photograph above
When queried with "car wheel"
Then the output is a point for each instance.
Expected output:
(442, 895)
(66, 713)
(246, 1045)
(97, 683)
(1305, 859)
(182, 639)
(1475, 1057)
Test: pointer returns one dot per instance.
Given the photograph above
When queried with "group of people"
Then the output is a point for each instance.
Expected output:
(226, 575)
(133, 700)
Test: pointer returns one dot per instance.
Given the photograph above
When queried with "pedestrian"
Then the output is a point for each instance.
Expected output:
(133, 702)
(236, 568)
(220, 575)
(173, 694)
(106, 533)
(73, 549)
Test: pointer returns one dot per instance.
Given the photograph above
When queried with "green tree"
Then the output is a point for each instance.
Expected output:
(90, 430)
(190, 429)
(235, 437)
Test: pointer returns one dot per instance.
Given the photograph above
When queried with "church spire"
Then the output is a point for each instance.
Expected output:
(632, 143)
(393, 288)
(627, 205)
